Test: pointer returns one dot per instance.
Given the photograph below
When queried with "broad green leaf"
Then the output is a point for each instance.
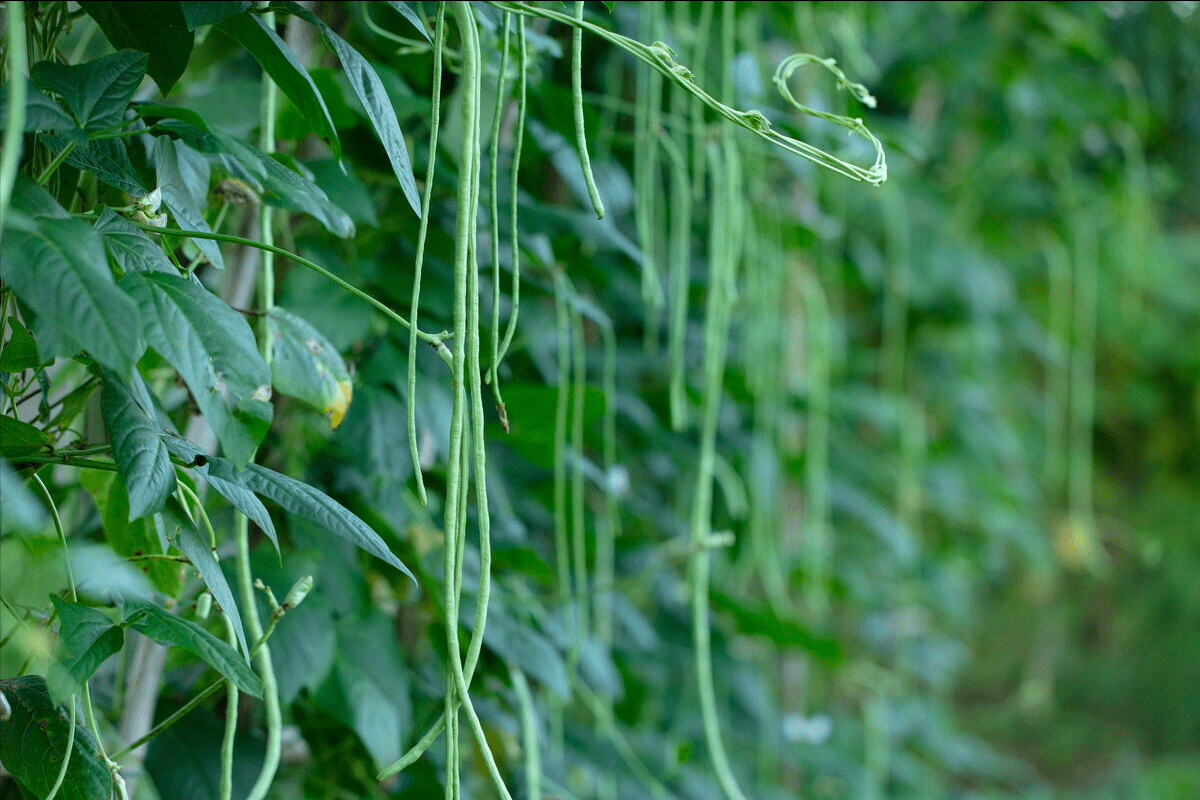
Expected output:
(42, 113)
(213, 349)
(277, 184)
(96, 92)
(156, 28)
(86, 637)
(305, 501)
(375, 439)
(306, 366)
(170, 162)
(183, 535)
(33, 744)
(374, 98)
(132, 538)
(58, 267)
(166, 628)
(229, 483)
(210, 12)
(141, 456)
(107, 158)
(185, 761)
(20, 351)
(286, 70)
(130, 249)
(20, 438)
(406, 11)
(33, 199)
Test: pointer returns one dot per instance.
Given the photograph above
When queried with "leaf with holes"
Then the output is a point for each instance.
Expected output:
(306, 365)
(213, 349)
(33, 744)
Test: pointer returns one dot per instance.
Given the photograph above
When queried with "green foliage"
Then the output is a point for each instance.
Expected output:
(791, 486)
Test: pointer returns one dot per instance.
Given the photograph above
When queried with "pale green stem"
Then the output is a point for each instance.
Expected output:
(529, 733)
(231, 720)
(578, 540)
(14, 124)
(562, 558)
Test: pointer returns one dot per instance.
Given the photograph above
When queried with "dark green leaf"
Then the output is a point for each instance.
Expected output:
(34, 200)
(141, 456)
(33, 744)
(526, 647)
(305, 501)
(374, 98)
(96, 92)
(406, 11)
(210, 12)
(303, 646)
(42, 113)
(170, 162)
(286, 70)
(129, 248)
(58, 267)
(760, 620)
(229, 483)
(306, 366)
(213, 349)
(20, 351)
(107, 158)
(185, 761)
(86, 637)
(166, 628)
(183, 535)
(154, 27)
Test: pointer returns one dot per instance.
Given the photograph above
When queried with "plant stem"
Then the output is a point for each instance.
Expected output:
(14, 125)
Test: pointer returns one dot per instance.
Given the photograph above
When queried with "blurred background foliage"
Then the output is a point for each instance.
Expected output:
(958, 445)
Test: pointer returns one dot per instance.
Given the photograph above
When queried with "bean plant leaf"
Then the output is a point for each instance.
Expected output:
(97, 92)
(213, 349)
(286, 70)
(406, 11)
(42, 113)
(106, 158)
(228, 482)
(130, 249)
(141, 456)
(20, 438)
(277, 183)
(33, 744)
(20, 351)
(374, 97)
(58, 267)
(20, 511)
(305, 501)
(86, 637)
(183, 535)
(156, 28)
(306, 366)
(166, 628)
(169, 162)
(210, 12)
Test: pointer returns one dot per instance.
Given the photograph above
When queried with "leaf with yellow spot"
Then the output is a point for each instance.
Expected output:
(306, 366)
